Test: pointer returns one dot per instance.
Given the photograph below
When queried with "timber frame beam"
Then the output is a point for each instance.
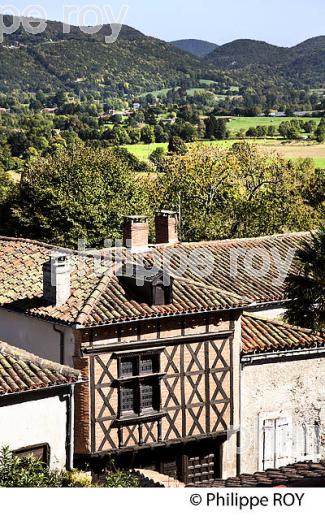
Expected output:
(159, 343)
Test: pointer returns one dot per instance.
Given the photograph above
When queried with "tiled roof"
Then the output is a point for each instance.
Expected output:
(300, 474)
(21, 371)
(261, 335)
(250, 267)
(100, 298)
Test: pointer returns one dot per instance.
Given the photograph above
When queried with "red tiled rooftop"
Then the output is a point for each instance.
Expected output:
(21, 371)
(299, 474)
(102, 299)
(261, 335)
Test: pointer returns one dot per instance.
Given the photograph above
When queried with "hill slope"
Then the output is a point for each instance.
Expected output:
(303, 64)
(132, 65)
(241, 53)
(199, 48)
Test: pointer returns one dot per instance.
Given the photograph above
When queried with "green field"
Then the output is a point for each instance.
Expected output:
(244, 123)
(320, 163)
(289, 150)
(142, 151)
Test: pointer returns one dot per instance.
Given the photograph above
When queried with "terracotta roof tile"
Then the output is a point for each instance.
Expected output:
(299, 474)
(99, 298)
(262, 335)
(21, 371)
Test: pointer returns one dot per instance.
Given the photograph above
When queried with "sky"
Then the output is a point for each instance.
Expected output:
(280, 22)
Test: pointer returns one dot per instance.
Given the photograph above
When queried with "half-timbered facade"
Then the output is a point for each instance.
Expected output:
(155, 332)
(162, 384)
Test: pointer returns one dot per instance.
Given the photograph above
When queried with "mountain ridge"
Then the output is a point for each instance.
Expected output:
(199, 48)
(136, 64)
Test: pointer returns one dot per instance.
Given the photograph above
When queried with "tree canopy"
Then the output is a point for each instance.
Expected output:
(239, 192)
(82, 193)
(306, 288)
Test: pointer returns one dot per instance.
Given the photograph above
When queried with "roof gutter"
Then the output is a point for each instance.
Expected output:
(162, 316)
(250, 359)
(43, 389)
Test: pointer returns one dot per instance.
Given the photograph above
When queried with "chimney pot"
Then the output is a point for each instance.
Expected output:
(136, 233)
(166, 227)
(56, 280)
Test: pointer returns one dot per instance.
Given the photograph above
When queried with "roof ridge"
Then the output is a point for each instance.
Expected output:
(234, 240)
(37, 243)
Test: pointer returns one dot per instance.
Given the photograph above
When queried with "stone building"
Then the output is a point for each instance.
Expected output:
(282, 395)
(156, 331)
(37, 407)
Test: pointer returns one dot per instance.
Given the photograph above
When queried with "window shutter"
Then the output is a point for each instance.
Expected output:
(311, 441)
(283, 444)
(268, 452)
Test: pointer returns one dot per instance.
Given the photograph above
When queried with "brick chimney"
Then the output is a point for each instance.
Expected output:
(56, 280)
(166, 227)
(136, 233)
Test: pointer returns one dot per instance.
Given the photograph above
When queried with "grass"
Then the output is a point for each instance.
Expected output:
(289, 150)
(142, 151)
(320, 163)
(244, 123)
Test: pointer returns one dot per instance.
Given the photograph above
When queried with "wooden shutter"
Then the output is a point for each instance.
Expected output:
(268, 447)
(283, 444)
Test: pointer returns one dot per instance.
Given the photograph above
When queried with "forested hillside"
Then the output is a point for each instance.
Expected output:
(199, 48)
(134, 64)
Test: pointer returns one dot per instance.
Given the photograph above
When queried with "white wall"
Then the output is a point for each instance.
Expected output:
(293, 390)
(36, 422)
(36, 336)
(270, 314)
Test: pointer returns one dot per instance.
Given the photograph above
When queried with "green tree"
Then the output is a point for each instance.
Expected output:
(148, 134)
(306, 288)
(157, 157)
(176, 145)
(320, 131)
(238, 192)
(82, 193)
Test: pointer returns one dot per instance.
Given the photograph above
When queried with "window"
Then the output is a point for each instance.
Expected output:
(40, 452)
(128, 368)
(139, 384)
(147, 396)
(128, 399)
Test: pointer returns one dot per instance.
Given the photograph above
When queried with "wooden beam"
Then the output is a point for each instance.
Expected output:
(162, 342)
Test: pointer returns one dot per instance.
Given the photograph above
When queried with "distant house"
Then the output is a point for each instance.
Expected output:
(36, 407)
(168, 120)
(136, 106)
(50, 110)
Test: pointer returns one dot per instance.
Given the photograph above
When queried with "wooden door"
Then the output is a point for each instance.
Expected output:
(201, 464)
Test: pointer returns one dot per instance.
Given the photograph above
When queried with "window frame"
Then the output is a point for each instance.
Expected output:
(139, 379)
(27, 451)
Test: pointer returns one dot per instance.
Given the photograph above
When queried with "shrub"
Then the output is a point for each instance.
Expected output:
(26, 472)
(77, 479)
(121, 479)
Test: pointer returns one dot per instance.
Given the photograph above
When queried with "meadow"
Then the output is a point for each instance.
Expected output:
(290, 150)
(244, 123)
